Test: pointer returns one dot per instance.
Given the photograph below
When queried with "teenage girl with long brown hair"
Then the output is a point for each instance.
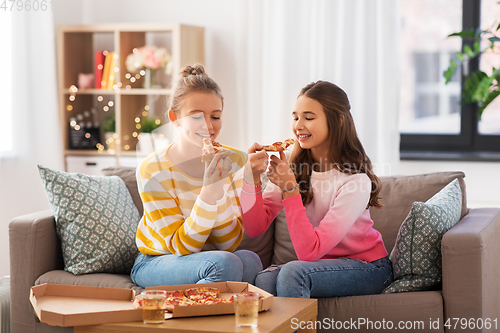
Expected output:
(326, 189)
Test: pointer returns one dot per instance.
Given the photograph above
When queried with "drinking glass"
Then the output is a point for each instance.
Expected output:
(246, 308)
(153, 306)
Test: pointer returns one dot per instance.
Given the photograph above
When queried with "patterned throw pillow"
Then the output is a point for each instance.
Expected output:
(96, 221)
(416, 256)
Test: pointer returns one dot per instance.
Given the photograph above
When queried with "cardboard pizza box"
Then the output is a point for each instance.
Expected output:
(66, 305)
(226, 290)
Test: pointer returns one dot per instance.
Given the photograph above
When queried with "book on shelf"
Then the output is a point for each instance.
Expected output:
(105, 72)
(99, 68)
(111, 79)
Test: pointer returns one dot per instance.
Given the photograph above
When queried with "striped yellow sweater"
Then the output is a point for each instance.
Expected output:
(175, 219)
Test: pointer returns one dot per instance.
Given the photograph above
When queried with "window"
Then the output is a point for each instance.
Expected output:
(433, 124)
(5, 84)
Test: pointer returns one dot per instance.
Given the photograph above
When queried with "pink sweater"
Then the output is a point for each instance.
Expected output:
(335, 224)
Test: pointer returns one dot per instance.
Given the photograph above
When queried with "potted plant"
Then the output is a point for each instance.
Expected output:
(147, 139)
(479, 87)
(109, 130)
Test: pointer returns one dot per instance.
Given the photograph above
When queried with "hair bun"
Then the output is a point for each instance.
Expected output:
(192, 70)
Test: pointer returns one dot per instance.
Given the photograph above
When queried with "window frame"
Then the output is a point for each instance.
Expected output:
(469, 144)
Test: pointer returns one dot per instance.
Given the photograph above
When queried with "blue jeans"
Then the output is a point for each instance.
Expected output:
(326, 278)
(201, 267)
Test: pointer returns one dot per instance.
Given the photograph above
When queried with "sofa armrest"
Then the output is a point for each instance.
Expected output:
(34, 250)
(471, 267)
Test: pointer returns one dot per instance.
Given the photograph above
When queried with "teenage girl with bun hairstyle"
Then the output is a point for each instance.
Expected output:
(326, 189)
(192, 217)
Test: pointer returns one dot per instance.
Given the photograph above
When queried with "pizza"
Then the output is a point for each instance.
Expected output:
(277, 145)
(210, 149)
(189, 297)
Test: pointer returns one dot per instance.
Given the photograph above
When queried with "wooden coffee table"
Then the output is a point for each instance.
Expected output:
(277, 319)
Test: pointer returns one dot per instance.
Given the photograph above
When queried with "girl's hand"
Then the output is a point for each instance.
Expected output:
(217, 169)
(256, 165)
(280, 172)
(214, 178)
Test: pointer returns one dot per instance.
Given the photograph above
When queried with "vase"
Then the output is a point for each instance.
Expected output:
(150, 78)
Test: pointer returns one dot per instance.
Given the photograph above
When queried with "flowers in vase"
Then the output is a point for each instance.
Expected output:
(149, 57)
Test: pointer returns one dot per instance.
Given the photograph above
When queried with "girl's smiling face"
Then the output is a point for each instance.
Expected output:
(310, 125)
(200, 117)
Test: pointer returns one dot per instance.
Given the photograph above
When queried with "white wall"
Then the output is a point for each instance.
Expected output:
(482, 179)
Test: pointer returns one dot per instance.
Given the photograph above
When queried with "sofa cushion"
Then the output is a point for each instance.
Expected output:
(416, 257)
(423, 308)
(398, 194)
(127, 174)
(283, 247)
(96, 221)
(102, 280)
(262, 245)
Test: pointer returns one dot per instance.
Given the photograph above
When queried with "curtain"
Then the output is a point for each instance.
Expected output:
(352, 43)
(36, 129)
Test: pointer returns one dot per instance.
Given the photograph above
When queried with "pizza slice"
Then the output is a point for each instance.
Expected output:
(210, 149)
(177, 298)
(277, 145)
(202, 293)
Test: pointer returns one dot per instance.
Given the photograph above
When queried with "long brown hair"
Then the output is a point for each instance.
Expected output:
(345, 150)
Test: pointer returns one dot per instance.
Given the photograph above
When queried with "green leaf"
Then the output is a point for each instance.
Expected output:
(498, 26)
(460, 56)
(453, 63)
(491, 96)
(468, 51)
(468, 34)
(448, 74)
(477, 48)
(494, 39)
